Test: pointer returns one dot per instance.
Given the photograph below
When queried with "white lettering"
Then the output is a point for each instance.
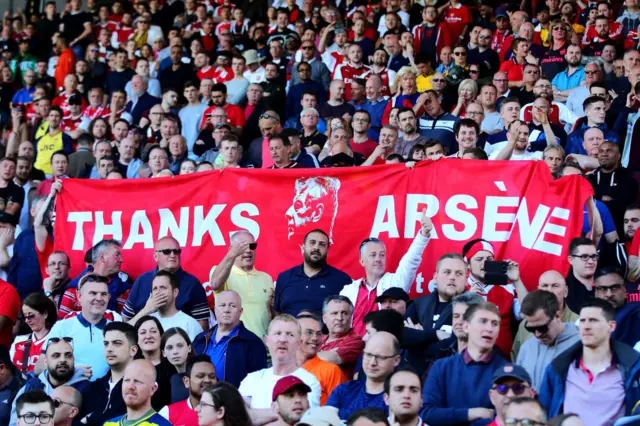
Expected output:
(244, 222)
(465, 218)
(386, 209)
(553, 229)
(168, 225)
(102, 229)
(529, 230)
(78, 236)
(139, 220)
(202, 224)
(419, 281)
(492, 217)
(413, 214)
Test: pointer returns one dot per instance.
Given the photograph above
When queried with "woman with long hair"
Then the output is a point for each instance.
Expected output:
(222, 405)
(39, 313)
(406, 93)
(100, 130)
(177, 350)
(552, 61)
(149, 331)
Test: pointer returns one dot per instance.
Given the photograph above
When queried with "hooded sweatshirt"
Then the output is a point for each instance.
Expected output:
(535, 357)
(77, 381)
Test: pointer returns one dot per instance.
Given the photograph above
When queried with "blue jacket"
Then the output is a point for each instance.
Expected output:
(24, 269)
(293, 107)
(575, 138)
(105, 403)
(453, 387)
(144, 103)
(245, 354)
(555, 378)
(627, 320)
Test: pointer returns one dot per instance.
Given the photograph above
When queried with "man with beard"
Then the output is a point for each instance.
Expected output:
(516, 146)
(379, 68)
(559, 114)
(237, 272)
(86, 328)
(410, 136)
(306, 286)
(484, 52)
(59, 370)
(120, 348)
(176, 75)
(329, 375)
(403, 396)
(351, 69)
(342, 346)
(336, 106)
(138, 386)
(290, 400)
(613, 184)
(200, 373)
(565, 82)
(609, 285)
(430, 36)
(235, 114)
(433, 312)
(233, 350)
(631, 224)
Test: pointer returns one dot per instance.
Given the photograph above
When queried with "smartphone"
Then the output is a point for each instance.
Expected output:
(495, 272)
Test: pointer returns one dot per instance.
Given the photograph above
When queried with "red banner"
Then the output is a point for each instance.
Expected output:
(516, 205)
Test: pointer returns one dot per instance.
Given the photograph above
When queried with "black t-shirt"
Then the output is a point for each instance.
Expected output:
(206, 137)
(12, 193)
(553, 62)
(440, 306)
(74, 26)
(578, 293)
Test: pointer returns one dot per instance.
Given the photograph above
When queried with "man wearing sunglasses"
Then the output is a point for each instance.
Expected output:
(511, 381)
(191, 299)
(68, 403)
(609, 285)
(543, 319)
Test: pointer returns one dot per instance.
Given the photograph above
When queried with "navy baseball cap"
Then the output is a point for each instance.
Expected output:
(512, 371)
(395, 293)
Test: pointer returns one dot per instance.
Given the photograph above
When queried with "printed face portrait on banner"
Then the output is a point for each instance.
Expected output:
(314, 206)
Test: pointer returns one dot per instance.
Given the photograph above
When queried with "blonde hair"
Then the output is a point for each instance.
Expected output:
(401, 73)
(284, 318)
(469, 83)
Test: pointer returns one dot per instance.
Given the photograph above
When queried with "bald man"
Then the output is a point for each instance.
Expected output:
(554, 282)
(138, 386)
(380, 357)
(191, 299)
(68, 402)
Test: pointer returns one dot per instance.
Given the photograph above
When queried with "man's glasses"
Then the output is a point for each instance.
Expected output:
(523, 422)
(533, 72)
(269, 116)
(591, 72)
(518, 389)
(612, 288)
(57, 403)
(307, 47)
(586, 257)
(438, 80)
(30, 418)
(167, 252)
(473, 71)
(484, 37)
(366, 356)
(253, 246)
(55, 340)
(460, 53)
(542, 329)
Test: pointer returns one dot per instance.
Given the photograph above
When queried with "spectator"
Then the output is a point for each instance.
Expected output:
(107, 399)
(40, 314)
(234, 350)
(35, 406)
(191, 298)
(68, 403)
(283, 339)
(11, 381)
(583, 258)
(554, 282)
(307, 286)
(510, 382)
(381, 355)
(138, 386)
(234, 272)
(228, 406)
(290, 400)
(403, 396)
(609, 285)
(468, 376)
(342, 346)
(542, 317)
(566, 386)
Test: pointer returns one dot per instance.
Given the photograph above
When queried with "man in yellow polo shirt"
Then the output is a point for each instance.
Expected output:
(236, 272)
(54, 140)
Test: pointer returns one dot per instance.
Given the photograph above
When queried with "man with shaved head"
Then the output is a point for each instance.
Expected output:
(379, 358)
(138, 386)
(237, 272)
(233, 349)
(68, 402)
(191, 299)
(554, 282)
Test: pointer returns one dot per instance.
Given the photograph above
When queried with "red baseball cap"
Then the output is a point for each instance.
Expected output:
(285, 384)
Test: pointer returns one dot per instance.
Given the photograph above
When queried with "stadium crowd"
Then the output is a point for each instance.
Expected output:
(135, 89)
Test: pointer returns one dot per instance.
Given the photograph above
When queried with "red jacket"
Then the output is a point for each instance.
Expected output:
(66, 65)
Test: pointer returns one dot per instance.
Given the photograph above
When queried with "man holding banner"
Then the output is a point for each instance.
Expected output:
(373, 257)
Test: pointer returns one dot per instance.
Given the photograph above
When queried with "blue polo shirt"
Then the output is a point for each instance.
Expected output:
(217, 351)
(564, 81)
(352, 396)
(119, 284)
(192, 299)
(376, 111)
(295, 291)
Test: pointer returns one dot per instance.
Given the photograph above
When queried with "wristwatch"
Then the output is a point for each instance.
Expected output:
(48, 293)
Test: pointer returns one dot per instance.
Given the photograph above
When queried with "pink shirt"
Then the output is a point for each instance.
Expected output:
(601, 394)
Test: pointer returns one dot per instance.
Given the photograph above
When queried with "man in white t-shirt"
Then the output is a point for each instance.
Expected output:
(283, 339)
(162, 305)
(516, 146)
